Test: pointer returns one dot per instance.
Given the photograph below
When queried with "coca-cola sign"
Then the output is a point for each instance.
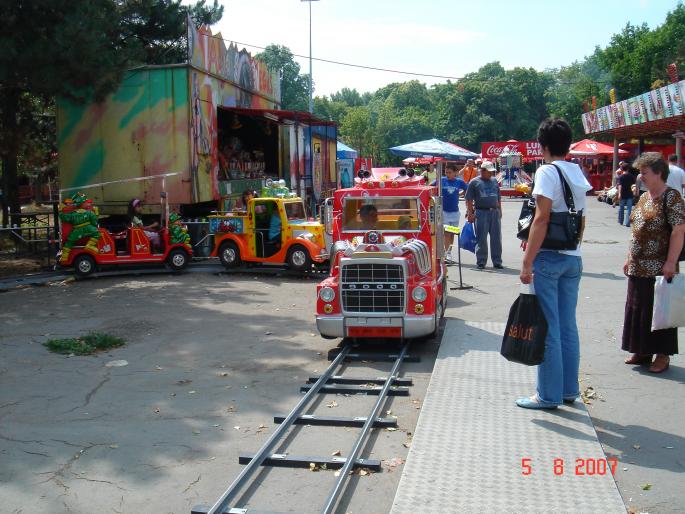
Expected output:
(529, 149)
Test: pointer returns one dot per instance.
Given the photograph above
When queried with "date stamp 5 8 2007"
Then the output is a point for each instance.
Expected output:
(583, 467)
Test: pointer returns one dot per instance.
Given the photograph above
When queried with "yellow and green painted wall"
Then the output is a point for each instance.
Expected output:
(163, 119)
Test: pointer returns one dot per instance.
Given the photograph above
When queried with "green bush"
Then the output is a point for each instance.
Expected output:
(85, 345)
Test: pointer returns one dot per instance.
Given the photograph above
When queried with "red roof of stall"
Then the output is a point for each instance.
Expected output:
(280, 116)
(588, 147)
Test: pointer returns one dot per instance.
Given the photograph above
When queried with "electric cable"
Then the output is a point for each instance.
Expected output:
(389, 70)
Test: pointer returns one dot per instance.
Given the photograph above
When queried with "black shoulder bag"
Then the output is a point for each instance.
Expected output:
(681, 257)
(563, 231)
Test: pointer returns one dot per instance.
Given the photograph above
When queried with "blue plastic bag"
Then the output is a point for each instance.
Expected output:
(467, 238)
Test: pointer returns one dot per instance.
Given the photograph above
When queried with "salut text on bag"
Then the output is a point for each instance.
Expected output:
(521, 332)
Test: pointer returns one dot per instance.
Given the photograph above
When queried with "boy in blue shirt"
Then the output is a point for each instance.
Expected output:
(451, 185)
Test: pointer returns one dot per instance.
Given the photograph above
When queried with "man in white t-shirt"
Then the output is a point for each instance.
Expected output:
(676, 175)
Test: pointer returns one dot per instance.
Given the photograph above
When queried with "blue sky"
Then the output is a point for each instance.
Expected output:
(432, 36)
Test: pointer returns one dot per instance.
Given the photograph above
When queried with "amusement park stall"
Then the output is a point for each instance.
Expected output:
(511, 157)
(215, 120)
(656, 117)
(597, 157)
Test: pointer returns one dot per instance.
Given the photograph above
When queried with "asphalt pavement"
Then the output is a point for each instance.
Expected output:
(212, 357)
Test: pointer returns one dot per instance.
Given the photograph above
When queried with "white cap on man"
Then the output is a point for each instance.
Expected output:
(487, 165)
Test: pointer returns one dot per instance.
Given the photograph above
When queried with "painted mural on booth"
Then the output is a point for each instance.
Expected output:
(209, 52)
(658, 104)
(208, 94)
(140, 130)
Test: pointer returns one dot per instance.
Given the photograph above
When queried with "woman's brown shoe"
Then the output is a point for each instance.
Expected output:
(638, 358)
(660, 364)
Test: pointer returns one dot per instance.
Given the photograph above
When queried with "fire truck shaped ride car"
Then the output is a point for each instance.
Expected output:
(388, 276)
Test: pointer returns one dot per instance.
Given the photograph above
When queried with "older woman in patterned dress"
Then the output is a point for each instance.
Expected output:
(654, 249)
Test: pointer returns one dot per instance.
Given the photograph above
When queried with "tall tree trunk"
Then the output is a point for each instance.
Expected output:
(10, 190)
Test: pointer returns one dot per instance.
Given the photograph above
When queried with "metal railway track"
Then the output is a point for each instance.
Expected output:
(328, 382)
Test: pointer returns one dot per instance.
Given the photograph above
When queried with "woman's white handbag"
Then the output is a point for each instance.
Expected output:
(669, 303)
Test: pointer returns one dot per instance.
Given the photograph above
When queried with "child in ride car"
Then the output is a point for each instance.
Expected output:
(135, 210)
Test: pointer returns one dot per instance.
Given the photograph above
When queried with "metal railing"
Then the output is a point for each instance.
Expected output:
(33, 235)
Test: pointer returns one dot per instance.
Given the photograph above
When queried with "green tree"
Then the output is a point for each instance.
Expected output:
(77, 49)
(349, 97)
(50, 47)
(330, 110)
(355, 129)
(492, 104)
(294, 86)
(573, 86)
(623, 58)
(155, 30)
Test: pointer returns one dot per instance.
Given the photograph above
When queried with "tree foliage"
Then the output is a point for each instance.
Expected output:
(294, 86)
(494, 104)
(78, 49)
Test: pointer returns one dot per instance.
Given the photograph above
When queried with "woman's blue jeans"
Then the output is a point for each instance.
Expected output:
(557, 279)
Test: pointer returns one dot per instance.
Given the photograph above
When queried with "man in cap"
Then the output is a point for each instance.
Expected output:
(484, 208)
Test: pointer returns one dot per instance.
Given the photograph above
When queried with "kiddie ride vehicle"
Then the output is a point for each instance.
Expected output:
(85, 245)
(388, 275)
(273, 230)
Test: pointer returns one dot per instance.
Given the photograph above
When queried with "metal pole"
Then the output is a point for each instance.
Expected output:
(679, 147)
(311, 80)
(614, 165)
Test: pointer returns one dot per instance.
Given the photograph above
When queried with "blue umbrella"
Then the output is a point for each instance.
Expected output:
(345, 152)
(433, 148)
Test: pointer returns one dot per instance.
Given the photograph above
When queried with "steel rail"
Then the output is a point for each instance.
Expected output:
(351, 459)
(121, 181)
(220, 506)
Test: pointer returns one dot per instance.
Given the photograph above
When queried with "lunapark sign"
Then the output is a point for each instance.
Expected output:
(530, 150)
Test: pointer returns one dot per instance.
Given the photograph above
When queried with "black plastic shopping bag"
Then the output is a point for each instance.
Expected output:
(524, 336)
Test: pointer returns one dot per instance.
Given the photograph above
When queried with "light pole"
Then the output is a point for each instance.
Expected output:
(311, 80)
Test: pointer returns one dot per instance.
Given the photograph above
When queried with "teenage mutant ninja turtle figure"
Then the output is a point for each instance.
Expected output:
(177, 231)
(78, 211)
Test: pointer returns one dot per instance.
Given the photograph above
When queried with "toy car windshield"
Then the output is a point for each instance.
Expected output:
(295, 211)
(394, 214)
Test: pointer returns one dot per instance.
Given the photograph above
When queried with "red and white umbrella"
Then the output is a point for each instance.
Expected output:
(590, 148)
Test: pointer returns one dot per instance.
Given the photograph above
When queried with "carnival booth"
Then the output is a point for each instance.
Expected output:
(432, 151)
(345, 157)
(597, 157)
(633, 149)
(511, 157)
(214, 121)
(655, 116)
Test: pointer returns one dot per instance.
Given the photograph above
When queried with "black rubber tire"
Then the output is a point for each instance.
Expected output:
(178, 259)
(298, 258)
(84, 265)
(229, 254)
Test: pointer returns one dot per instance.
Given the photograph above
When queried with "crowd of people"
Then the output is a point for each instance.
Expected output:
(650, 201)
(630, 186)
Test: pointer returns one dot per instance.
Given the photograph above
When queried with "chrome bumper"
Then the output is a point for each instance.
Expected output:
(412, 326)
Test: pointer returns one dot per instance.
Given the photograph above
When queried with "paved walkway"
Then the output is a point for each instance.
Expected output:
(468, 451)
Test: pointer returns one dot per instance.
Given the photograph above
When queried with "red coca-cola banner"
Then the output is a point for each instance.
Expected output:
(529, 149)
